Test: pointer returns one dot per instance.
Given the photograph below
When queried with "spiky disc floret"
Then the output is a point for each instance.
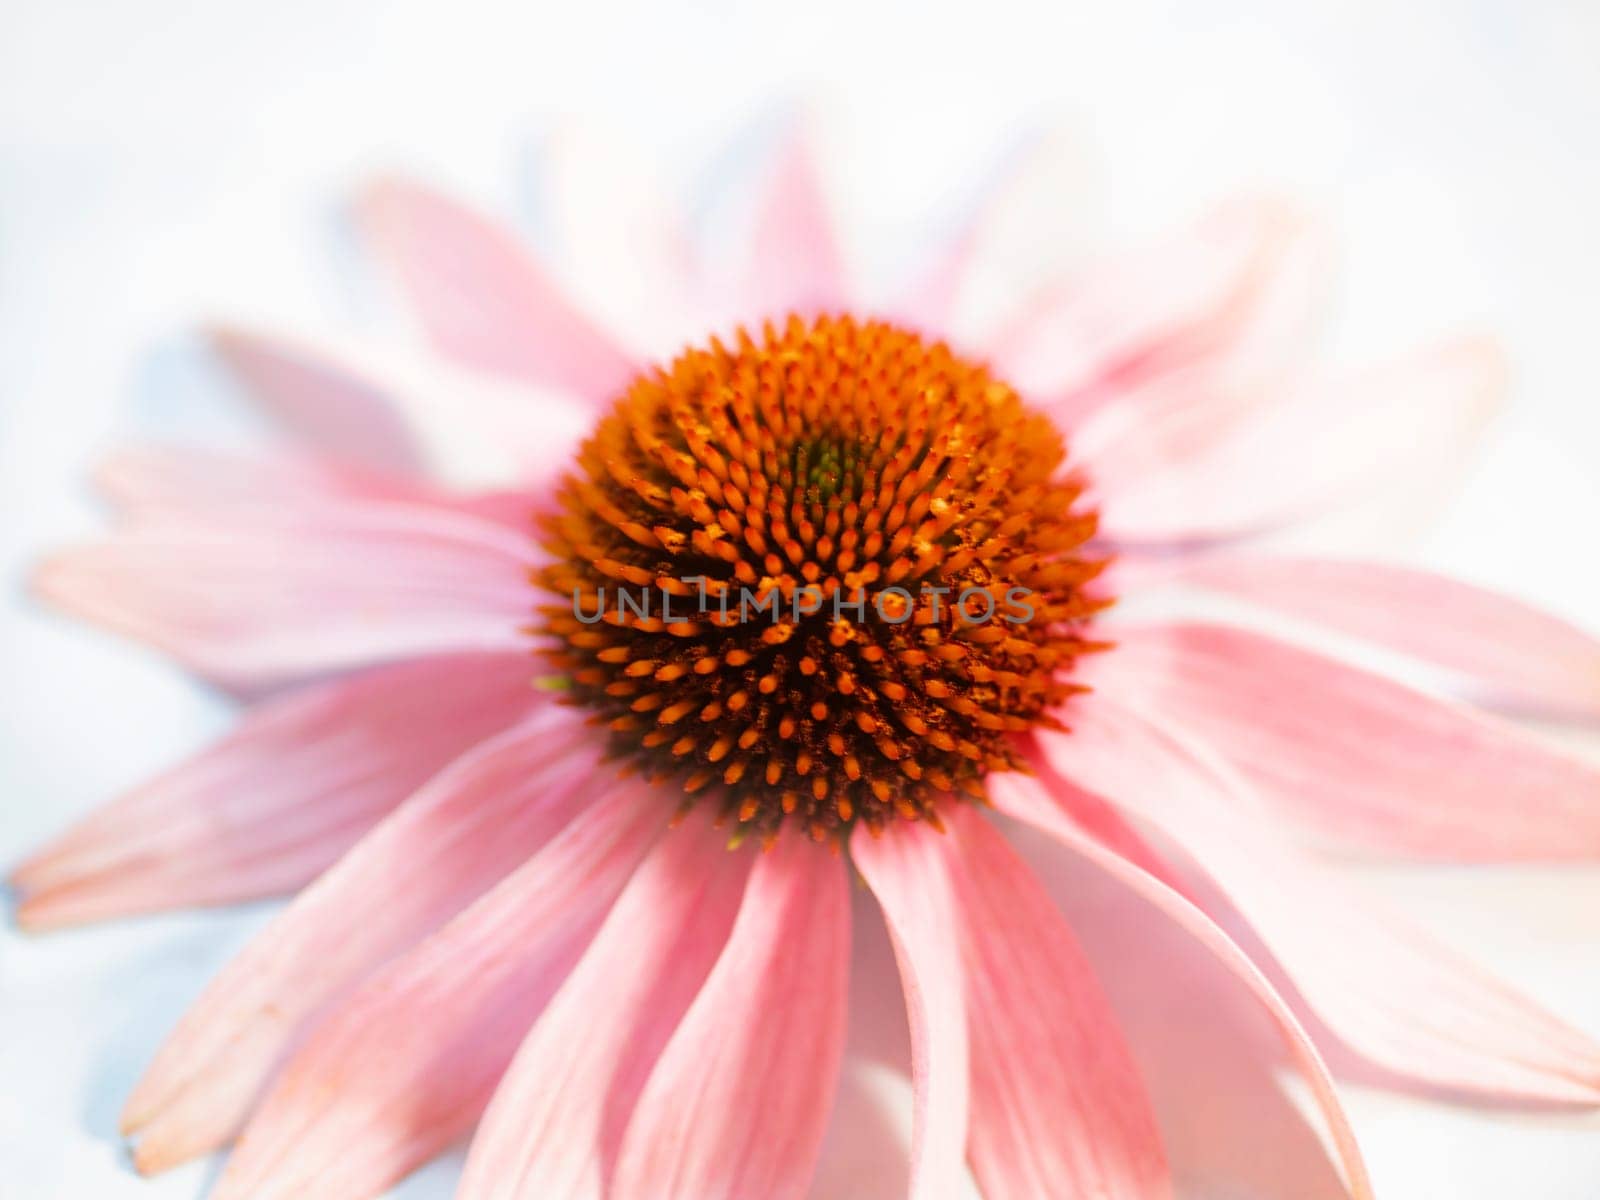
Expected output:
(747, 556)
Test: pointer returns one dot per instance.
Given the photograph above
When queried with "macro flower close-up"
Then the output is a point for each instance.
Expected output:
(696, 698)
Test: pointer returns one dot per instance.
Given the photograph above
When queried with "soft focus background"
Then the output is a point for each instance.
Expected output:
(163, 162)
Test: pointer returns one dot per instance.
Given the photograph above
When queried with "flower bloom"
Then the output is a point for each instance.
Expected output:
(609, 919)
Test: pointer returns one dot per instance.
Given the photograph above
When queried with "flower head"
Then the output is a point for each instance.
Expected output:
(841, 583)
(879, 575)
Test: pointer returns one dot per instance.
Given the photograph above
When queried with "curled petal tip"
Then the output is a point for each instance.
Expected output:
(51, 578)
(221, 335)
(50, 906)
(138, 1111)
(12, 898)
(149, 1156)
(376, 196)
(22, 877)
(29, 915)
(1486, 372)
(66, 582)
(109, 475)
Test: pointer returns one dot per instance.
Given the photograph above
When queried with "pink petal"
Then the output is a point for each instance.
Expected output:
(193, 479)
(323, 403)
(1509, 651)
(1029, 225)
(864, 1152)
(281, 798)
(404, 1066)
(438, 852)
(1057, 1105)
(1123, 320)
(1210, 1057)
(1158, 425)
(631, 258)
(469, 429)
(906, 871)
(737, 1104)
(793, 263)
(1024, 798)
(1352, 757)
(1390, 993)
(878, 1028)
(867, 1149)
(1185, 411)
(554, 1126)
(171, 483)
(260, 598)
(1181, 416)
(481, 297)
(1400, 432)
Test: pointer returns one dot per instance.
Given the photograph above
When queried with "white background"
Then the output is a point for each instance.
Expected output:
(161, 162)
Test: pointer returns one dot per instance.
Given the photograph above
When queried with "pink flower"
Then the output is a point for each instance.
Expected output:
(496, 928)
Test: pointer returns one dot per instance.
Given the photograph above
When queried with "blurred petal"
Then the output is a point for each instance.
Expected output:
(1507, 651)
(904, 867)
(279, 800)
(1120, 321)
(762, 1040)
(1356, 759)
(624, 237)
(259, 599)
(556, 1121)
(192, 480)
(1188, 411)
(1029, 226)
(737, 1104)
(1026, 799)
(1400, 432)
(1056, 1105)
(404, 1066)
(150, 484)
(1209, 1055)
(1388, 991)
(1185, 410)
(481, 297)
(864, 1154)
(470, 429)
(322, 402)
(793, 263)
(440, 850)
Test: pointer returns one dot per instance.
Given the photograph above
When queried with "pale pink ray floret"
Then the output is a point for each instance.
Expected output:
(493, 930)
